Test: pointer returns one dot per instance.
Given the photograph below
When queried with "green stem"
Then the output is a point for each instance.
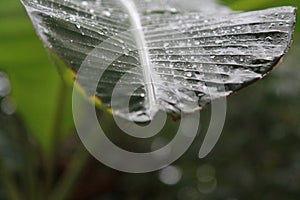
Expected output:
(9, 183)
(19, 140)
(64, 188)
(80, 158)
(29, 176)
(78, 161)
(30, 179)
(55, 137)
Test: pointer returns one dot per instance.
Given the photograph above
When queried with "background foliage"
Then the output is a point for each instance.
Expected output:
(258, 154)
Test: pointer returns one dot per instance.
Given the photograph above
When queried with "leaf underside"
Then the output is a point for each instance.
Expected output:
(178, 56)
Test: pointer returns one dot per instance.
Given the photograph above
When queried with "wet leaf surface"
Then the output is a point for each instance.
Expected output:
(177, 57)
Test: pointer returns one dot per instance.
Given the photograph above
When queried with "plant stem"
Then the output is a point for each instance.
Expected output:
(18, 140)
(64, 188)
(9, 183)
(78, 161)
(55, 137)
(29, 176)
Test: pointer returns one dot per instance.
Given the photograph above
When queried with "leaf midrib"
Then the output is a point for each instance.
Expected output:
(139, 36)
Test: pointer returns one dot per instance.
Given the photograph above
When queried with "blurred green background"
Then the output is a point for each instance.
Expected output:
(257, 156)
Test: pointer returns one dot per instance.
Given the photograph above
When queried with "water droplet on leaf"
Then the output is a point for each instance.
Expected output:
(106, 13)
(269, 38)
(84, 3)
(189, 74)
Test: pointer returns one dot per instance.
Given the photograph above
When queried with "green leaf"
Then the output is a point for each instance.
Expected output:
(35, 83)
(178, 56)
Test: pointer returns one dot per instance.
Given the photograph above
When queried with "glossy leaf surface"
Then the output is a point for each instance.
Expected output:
(179, 56)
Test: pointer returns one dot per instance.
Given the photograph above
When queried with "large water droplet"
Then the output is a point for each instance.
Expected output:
(106, 13)
(91, 11)
(169, 51)
(98, 2)
(173, 10)
(72, 18)
(189, 74)
(166, 44)
(84, 3)
(269, 38)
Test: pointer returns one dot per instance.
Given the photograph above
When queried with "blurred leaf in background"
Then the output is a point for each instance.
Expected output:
(248, 5)
(36, 86)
